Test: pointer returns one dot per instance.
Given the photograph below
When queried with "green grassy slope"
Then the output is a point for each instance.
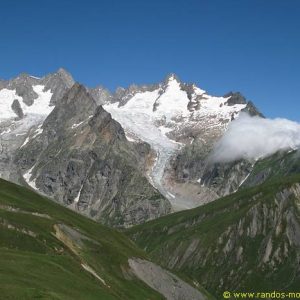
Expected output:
(249, 240)
(43, 246)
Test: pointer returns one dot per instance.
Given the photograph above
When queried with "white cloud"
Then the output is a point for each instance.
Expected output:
(254, 137)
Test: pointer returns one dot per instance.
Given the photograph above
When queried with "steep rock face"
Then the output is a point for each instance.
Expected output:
(226, 178)
(247, 241)
(16, 107)
(82, 158)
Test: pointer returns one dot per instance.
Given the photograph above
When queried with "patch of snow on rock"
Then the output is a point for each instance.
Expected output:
(27, 176)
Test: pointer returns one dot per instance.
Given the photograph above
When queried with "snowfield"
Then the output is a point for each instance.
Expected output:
(40, 106)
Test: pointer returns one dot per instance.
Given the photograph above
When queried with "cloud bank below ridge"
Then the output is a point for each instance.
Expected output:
(252, 138)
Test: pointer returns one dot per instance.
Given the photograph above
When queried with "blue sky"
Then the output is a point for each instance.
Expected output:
(239, 45)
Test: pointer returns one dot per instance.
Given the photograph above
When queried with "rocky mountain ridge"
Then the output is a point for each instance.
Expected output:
(170, 129)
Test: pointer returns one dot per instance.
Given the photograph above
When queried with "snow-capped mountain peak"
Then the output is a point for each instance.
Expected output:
(172, 102)
(172, 77)
(169, 115)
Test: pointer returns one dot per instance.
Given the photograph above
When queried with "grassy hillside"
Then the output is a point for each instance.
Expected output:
(249, 240)
(50, 252)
